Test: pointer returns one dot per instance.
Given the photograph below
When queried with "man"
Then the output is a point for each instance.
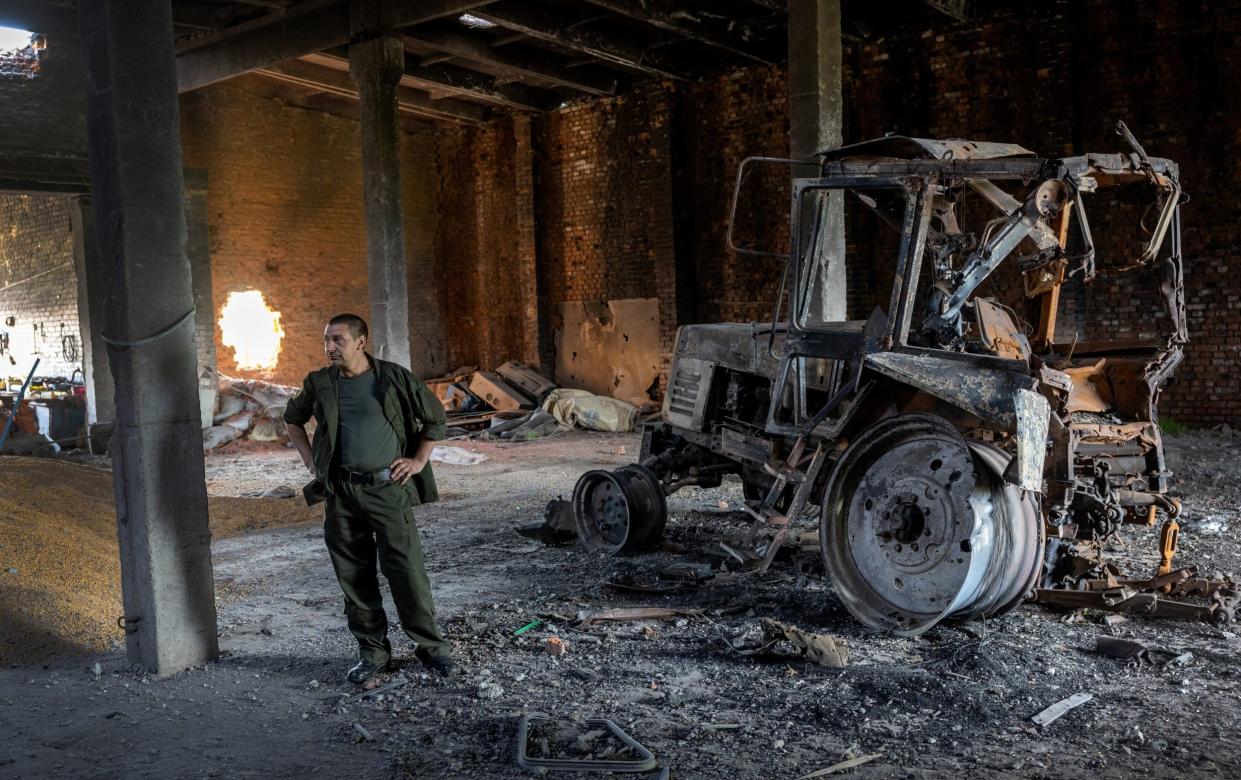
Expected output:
(376, 426)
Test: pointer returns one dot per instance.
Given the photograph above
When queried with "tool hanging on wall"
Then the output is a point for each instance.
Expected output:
(8, 425)
(69, 348)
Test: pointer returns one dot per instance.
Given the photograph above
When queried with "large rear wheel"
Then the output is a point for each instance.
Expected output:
(918, 526)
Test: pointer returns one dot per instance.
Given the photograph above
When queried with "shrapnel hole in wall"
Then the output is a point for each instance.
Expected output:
(19, 53)
(252, 329)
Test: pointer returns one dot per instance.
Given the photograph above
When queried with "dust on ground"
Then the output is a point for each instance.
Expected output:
(954, 702)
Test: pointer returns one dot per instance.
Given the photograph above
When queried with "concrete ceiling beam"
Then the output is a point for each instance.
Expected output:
(673, 18)
(473, 49)
(452, 81)
(336, 82)
(310, 26)
(543, 27)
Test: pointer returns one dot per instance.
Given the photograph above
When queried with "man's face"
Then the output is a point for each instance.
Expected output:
(340, 345)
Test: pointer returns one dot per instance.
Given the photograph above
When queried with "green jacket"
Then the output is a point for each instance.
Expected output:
(412, 409)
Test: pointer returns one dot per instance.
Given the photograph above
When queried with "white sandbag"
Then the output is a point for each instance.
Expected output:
(219, 435)
(264, 430)
(229, 405)
(241, 422)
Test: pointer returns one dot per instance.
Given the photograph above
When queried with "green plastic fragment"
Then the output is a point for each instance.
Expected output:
(527, 627)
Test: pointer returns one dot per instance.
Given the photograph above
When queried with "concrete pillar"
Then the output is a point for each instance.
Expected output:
(815, 122)
(88, 265)
(198, 251)
(376, 65)
(133, 138)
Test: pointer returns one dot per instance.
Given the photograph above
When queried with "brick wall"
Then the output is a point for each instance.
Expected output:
(605, 206)
(719, 122)
(1170, 70)
(1055, 77)
(38, 288)
(284, 199)
(420, 199)
(485, 256)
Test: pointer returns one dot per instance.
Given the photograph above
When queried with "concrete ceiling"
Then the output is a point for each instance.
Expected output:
(466, 59)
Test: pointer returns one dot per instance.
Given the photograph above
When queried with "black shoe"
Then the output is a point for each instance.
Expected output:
(442, 665)
(363, 671)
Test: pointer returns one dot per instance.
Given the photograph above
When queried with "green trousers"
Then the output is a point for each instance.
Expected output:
(368, 522)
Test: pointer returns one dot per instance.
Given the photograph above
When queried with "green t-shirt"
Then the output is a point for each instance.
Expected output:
(367, 440)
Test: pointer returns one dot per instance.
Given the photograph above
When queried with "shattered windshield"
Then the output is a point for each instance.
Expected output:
(854, 228)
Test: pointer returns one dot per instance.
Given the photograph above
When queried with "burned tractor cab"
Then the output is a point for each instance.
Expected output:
(967, 443)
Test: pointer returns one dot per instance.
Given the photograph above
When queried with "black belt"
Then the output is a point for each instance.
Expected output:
(364, 477)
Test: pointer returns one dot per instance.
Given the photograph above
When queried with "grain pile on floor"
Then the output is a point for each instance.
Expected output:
(60, 590)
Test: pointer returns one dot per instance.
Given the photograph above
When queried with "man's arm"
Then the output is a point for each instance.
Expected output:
(403, 469)
(301, 442)
(431, 416)
(296, 414)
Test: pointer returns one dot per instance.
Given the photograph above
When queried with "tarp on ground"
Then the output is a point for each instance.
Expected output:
(583, 409)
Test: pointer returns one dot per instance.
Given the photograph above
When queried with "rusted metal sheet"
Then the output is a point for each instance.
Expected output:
(610, 348)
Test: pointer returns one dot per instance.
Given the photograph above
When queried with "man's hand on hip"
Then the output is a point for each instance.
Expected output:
(405, 468)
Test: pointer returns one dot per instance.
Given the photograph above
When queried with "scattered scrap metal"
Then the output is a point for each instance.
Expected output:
(516, 403)
(1138, 654)
(819, 649)
(1060, 708)
(594, 745)
(961, 460)
(841, 766)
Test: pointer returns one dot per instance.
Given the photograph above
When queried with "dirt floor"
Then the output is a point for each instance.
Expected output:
(954, 702)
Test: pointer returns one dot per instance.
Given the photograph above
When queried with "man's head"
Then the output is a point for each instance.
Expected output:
(345, 339)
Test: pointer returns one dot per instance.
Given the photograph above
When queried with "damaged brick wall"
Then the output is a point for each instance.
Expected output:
(1053, 77)
(284, 198)
(38, 287)
(485, 258)
(43, 133)
(605, 207)
(1171, 70)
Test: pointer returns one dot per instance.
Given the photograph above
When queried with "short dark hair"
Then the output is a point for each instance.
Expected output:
(357, 325)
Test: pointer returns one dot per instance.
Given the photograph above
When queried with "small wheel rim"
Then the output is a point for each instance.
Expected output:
(619, 510)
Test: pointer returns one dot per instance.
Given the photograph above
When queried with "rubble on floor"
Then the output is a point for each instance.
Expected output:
(516, 403)
(247, 410)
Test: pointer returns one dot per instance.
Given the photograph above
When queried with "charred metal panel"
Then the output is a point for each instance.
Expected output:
(688, 389)
(961, 380)
(932, 148)
(741, 347)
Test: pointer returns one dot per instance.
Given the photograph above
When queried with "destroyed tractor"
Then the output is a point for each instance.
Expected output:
(966, 443)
